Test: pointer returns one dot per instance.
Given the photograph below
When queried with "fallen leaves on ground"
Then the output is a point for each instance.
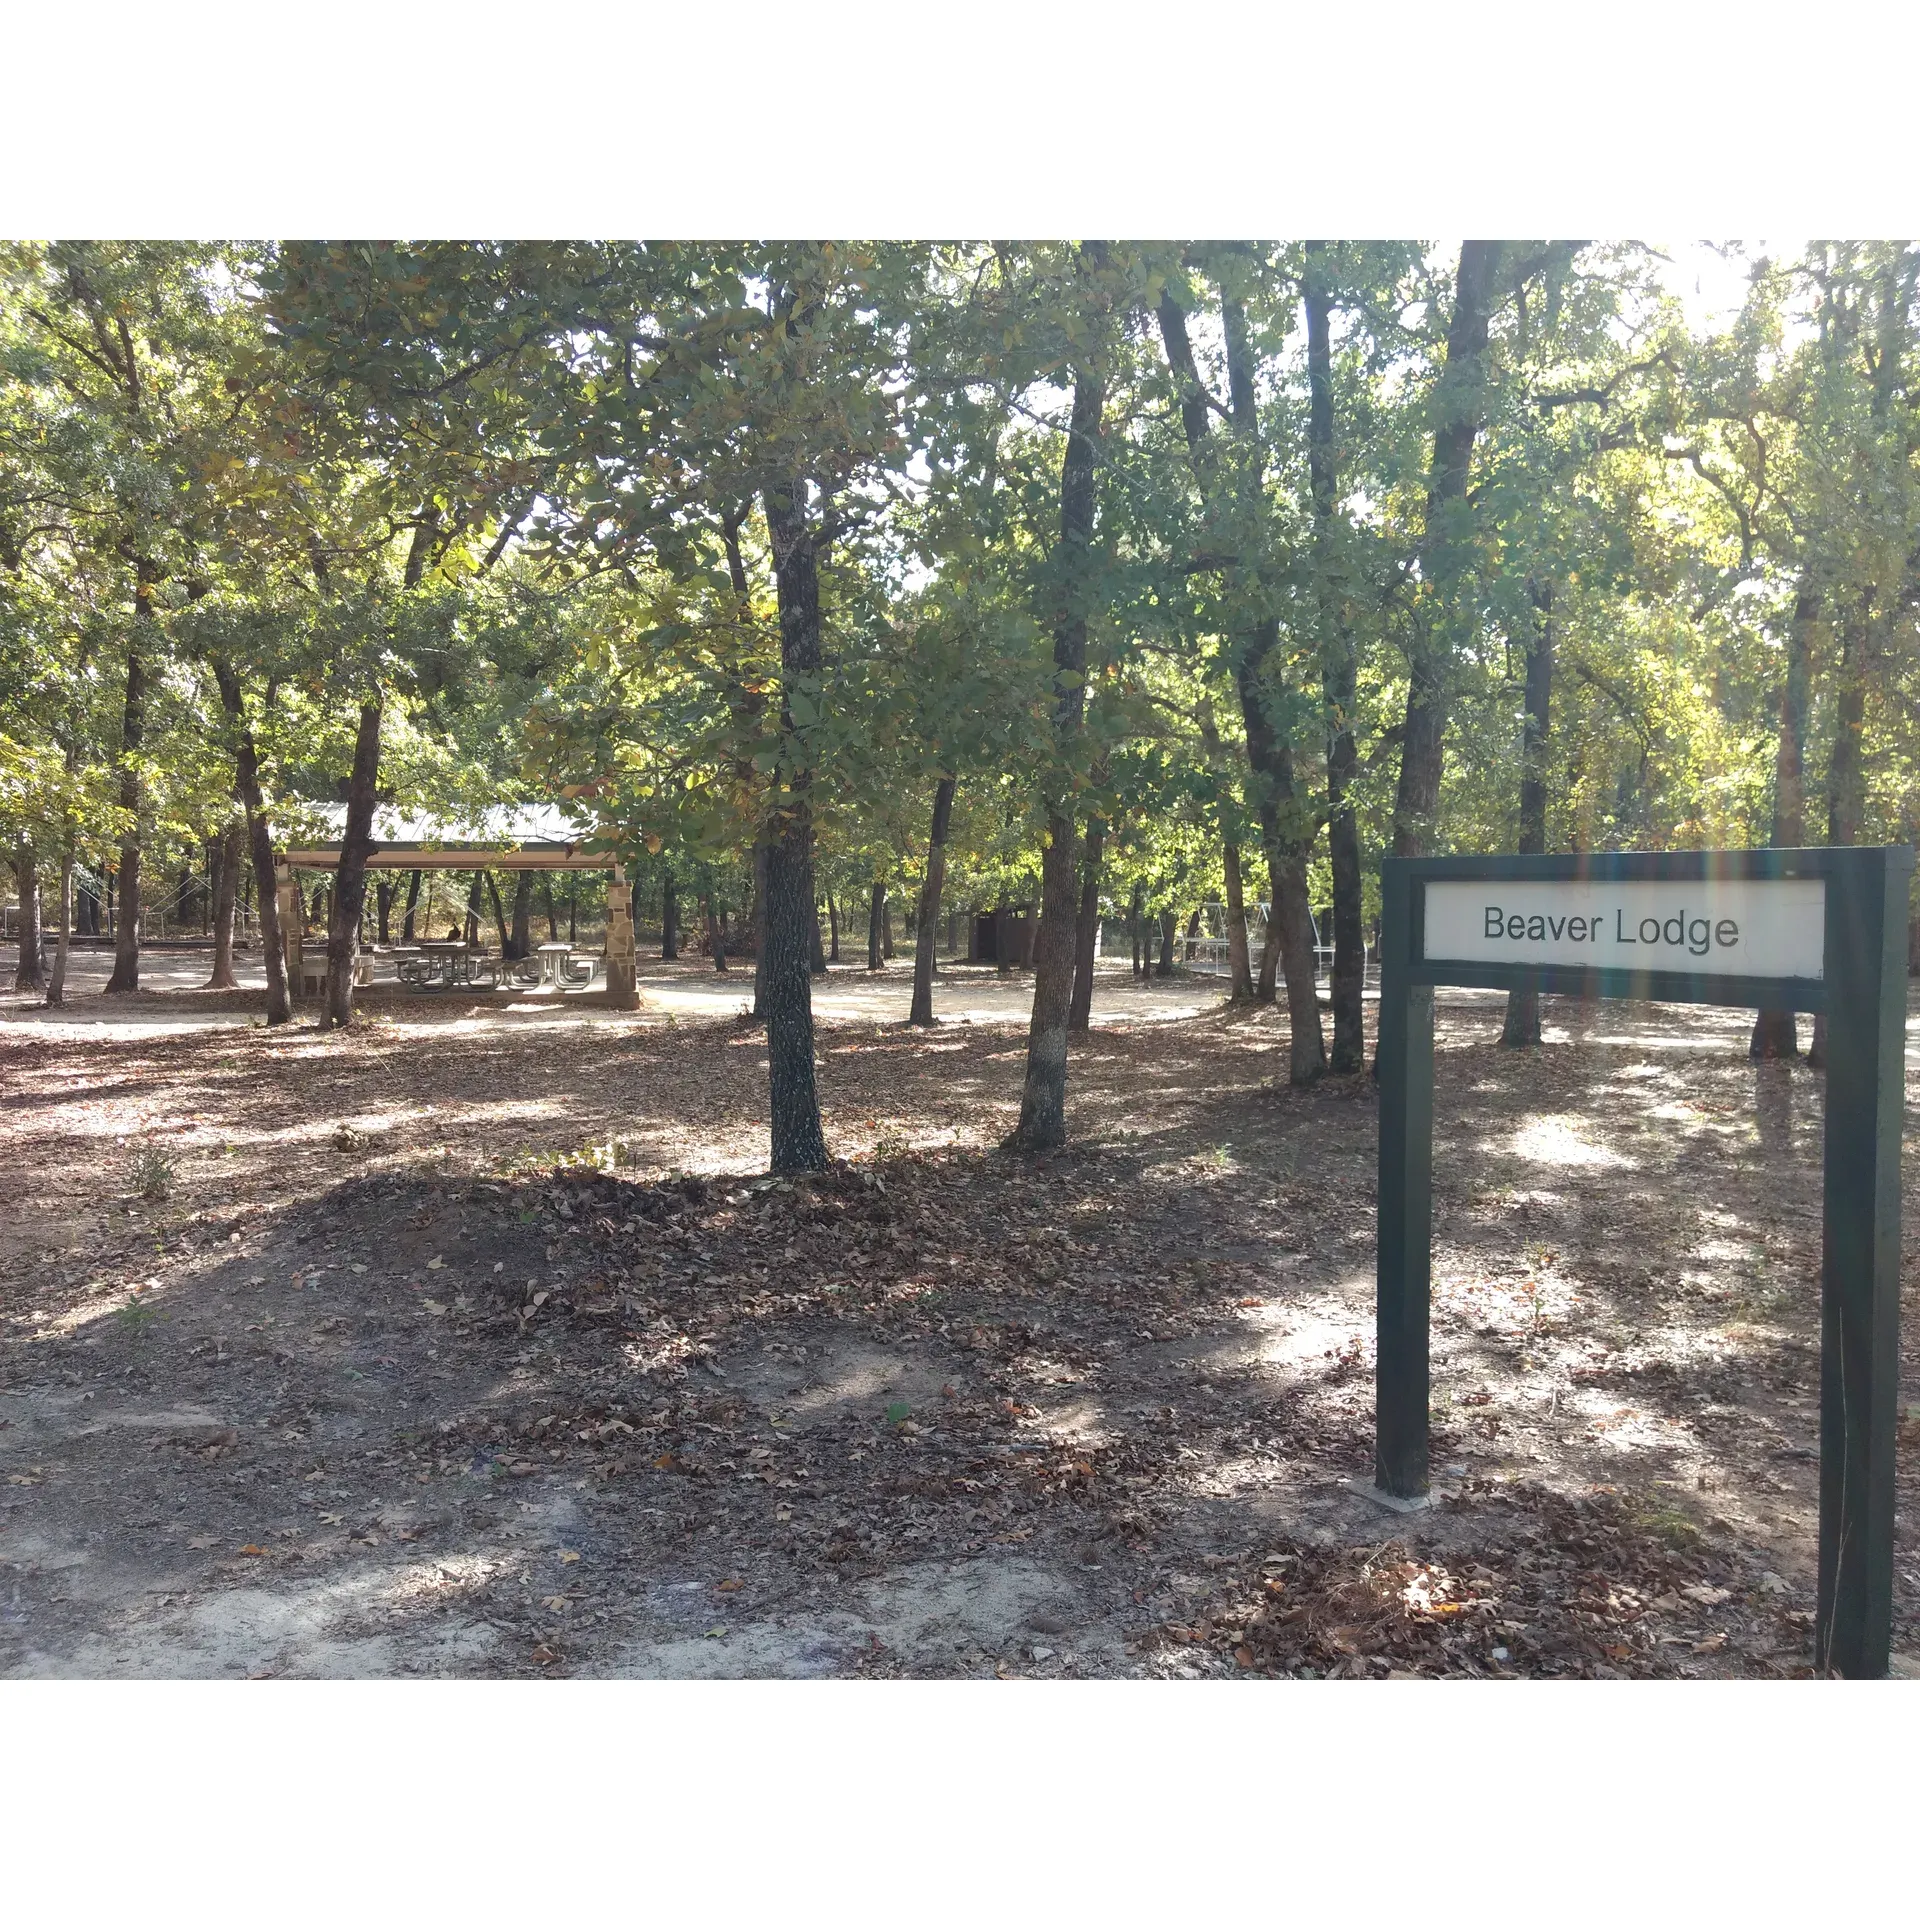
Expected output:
(1585, 1590)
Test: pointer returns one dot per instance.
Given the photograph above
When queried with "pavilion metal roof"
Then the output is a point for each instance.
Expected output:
(544, 835)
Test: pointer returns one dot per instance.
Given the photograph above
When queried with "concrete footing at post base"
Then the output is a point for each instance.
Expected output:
(1393, 1502)
(623, 990)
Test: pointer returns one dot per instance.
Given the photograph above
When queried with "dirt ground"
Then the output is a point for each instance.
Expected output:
(475, 1342)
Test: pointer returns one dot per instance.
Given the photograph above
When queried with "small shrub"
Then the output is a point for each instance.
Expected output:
(1668, 1525)
(135, 1317)
(153, 1173)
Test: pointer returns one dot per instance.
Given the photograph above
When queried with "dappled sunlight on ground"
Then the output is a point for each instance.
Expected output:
(938, 1413)
(1557, 1140)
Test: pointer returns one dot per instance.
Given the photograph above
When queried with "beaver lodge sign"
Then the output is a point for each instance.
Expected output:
(1774, 930)
(1814, 930)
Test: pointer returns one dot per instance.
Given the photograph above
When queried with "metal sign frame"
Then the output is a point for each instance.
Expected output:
(1864, 995)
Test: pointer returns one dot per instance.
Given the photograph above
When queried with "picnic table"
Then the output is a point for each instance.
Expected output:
(437, 964)
(313, 970)
(559, 968)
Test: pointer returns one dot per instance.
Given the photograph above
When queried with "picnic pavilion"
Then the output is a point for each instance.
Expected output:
(502, 839)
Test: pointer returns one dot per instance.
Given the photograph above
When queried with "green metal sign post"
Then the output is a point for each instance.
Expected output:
(1815, 930)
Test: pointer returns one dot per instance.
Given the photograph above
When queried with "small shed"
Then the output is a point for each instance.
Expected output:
(1016, 925)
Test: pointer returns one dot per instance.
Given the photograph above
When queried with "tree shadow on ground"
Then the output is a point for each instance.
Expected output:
(787, 1389)
(1119, 1390)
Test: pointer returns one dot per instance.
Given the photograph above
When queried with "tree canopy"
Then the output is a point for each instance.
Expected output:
(1170, 575)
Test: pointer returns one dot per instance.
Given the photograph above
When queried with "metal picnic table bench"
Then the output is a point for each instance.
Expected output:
(438, 964)
(557, 966)
(313, 970)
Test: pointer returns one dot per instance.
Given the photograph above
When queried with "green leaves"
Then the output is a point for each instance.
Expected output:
(516, 487)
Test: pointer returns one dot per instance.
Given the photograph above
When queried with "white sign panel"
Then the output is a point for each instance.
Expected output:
(1759, 929)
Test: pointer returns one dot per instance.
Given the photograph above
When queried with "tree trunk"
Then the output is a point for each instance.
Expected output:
(798, 1142)
(226, 896)
(350, 883)
(1239, 962)
(1522, 1027)
(716, 940)
(1846, 770)
(246, 765)
(1043, 1099)
(470, 927)
(1446, 552)
(669, 919)
(273, 952)
(383, 898)
(816, 954)
(523, 914)
(1269, 756)
(757, 928)
(1339, 682)
(1136, 929)
(553, 918)
(57, 981)
(876, 910)
(29, 974)
(921, 1014)
(1776, 1033)
(1265, 986)
(833, 929)
(1086, 927)
(1846, 767)
(1169, 921)
(1001, 964)
(886, 927)
(1290, 941)
(413, 901)
(499, 919)
(125, 977)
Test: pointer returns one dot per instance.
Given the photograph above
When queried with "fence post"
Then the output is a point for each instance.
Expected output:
(1404, 1245)
(1866, 980)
